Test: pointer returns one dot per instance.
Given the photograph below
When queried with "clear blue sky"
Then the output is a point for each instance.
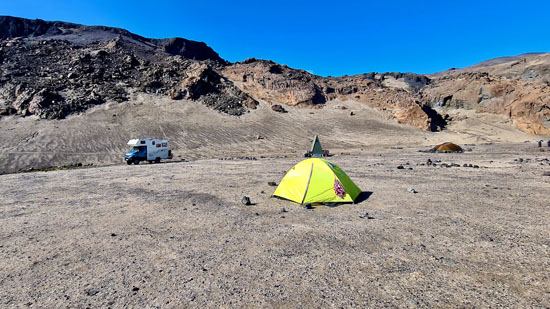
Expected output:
(325, 37)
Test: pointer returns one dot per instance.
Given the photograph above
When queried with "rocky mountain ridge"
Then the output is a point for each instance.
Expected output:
(54, 69)
(59, 69)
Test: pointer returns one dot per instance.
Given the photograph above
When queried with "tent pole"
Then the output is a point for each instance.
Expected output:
(307, 186)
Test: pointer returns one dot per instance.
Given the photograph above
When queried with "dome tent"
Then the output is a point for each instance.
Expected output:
(317, 181)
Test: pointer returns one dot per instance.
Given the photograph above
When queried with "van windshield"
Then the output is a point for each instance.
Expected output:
(137, 149)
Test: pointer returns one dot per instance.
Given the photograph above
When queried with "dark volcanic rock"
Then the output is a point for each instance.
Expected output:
(246, 200)
(189, 49)
(15, 27)
(278, 108)
(11, 27)
(54, 69)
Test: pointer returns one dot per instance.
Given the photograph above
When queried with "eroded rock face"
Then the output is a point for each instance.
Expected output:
(527, 103)
(271, 82)
(395, 93)
(204, 83)
(517, 87)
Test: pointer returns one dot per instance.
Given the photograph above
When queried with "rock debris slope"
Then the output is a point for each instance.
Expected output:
(53, 69)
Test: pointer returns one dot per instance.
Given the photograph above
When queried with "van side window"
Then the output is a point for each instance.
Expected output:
(164, 144)
(142, 142)
(153, 142)
(158, 145)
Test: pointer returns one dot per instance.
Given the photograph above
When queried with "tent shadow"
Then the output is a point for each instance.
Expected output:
(363, 196)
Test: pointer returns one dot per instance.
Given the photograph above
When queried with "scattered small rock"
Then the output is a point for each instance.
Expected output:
(135, 289)
(411, 190)
(271, 183)
(284, 210)
(92, 292)
(113, 234)
(278, 108)
(352, 113)
(246, 200)
(365, 216)
(400, 167)
(307, 206)
(546, 174)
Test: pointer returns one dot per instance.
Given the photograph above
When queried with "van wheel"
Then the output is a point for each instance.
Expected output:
(150, 161)
(157, 160)
(136, 162)
(129, 162)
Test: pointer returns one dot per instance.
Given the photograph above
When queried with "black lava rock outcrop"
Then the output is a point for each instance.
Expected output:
(54, 69)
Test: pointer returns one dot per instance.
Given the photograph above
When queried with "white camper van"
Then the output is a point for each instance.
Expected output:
(147, 149)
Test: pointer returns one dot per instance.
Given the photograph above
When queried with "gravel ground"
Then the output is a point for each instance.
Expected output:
(177, 235)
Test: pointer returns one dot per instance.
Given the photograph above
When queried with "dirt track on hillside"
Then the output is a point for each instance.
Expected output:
(176, 235)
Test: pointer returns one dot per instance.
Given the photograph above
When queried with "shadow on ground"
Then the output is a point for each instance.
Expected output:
(363, 196)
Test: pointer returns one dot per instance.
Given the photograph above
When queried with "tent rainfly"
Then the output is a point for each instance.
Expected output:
(316, 149)
(317, 181)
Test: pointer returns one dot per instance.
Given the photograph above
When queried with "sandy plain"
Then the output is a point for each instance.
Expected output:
(177, 235)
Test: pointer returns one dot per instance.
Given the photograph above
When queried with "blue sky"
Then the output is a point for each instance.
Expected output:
(325, 37)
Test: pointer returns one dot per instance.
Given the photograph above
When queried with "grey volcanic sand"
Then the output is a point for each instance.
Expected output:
(99, 135)
(176, 235)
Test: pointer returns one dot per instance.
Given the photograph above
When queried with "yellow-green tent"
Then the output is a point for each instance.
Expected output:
(317, 181)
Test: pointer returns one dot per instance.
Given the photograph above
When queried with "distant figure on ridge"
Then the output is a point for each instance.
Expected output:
(540, 143)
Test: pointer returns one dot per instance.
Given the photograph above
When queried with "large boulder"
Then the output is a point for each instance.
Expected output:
(447, 147)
